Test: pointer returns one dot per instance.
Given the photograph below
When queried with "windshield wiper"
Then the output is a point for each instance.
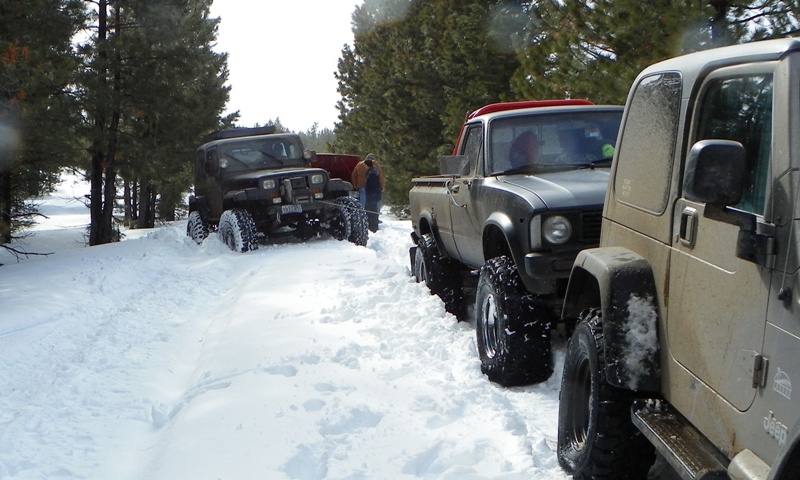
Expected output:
(602, 163)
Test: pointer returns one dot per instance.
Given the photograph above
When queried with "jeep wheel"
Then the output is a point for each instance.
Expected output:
(596, 437)
(338, 224)
(513, 337)
(196, 228)
(237, 230)
(441, 275)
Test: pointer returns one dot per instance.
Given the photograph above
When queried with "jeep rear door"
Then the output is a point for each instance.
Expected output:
(717, 302)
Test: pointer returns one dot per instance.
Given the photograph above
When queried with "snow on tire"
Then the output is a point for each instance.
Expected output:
(238, 230)
(513, 331)
(596, 436)
(196, 228)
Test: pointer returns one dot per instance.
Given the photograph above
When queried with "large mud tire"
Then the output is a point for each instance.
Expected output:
(348, 221)
(513, 332)
(357, 217)
(596, 437)
(237, 230)
(441, 275)
(196, 228)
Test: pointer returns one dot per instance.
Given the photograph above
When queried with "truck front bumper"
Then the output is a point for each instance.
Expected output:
(543, 270)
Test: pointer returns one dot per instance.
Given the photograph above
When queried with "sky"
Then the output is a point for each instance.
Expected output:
(158, 359)
(282, 58)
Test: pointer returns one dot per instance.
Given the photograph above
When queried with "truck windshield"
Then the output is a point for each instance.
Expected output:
(550, 142)
(262, 153)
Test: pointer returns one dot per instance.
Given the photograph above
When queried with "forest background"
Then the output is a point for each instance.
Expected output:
(125, 90)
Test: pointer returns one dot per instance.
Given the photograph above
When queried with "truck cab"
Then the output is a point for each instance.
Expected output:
(521, 195)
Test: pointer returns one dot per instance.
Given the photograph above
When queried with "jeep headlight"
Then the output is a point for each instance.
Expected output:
(557, 229)
(268, 184)
(317, 178)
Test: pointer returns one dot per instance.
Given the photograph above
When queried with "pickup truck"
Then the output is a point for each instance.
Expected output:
(688, 312)
(521, 195)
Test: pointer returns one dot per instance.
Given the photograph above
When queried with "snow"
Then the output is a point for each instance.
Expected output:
(156, 358)
(641, 338)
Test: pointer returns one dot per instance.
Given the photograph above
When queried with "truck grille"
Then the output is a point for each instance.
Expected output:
(591, 222)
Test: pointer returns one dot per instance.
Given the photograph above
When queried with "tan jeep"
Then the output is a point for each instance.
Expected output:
(688, 333)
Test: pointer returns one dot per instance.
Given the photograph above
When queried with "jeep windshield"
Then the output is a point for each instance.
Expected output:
(248, 154)
(538, 143)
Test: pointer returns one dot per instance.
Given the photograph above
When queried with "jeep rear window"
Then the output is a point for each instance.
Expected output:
(262, 153)
(552, 142)
(648, 140)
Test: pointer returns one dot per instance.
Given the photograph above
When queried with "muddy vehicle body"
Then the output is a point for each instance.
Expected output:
(254, 186)
(687, 340)
(521, 195)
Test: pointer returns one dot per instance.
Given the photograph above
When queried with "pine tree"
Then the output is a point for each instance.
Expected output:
(152, 88)
(414, 70)
(36, 110)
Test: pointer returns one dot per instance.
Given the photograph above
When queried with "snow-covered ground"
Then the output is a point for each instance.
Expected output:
(156, 358)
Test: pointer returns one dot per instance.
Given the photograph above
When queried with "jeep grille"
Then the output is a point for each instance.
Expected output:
(591, 222)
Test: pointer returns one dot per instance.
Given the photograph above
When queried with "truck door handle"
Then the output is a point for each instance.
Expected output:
(454, 189)
(688, 227)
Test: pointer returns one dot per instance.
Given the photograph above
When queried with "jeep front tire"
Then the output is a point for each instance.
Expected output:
(596, 437)
(237, 230)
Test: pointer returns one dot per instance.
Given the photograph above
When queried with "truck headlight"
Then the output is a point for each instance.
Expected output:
(268, 184)
(557, 229)
(317, 178)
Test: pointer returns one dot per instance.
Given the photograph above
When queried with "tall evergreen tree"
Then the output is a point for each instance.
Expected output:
(594, 49)
(414, 70)
(37, 113)
(152, 88)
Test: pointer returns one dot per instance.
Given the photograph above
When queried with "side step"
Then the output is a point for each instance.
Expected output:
(691, 455)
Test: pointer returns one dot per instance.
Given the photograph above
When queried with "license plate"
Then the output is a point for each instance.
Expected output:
(291, 209)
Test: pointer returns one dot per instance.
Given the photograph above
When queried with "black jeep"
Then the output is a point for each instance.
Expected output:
(253, 185)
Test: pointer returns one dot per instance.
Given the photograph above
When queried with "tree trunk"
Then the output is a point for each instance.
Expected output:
(5, 206)
(146, 207)
(104, 175)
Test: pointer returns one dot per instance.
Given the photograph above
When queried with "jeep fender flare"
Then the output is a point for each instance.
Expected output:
(199, 204)
(338, 188)
(622, 284)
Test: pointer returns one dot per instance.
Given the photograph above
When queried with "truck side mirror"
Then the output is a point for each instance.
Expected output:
(715, 172)
(454, 165)
(309, 155)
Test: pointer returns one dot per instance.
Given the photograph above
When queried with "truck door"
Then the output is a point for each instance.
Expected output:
(717, 302)
(465, 218)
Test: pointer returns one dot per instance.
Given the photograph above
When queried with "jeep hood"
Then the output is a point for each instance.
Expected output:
(563, 190)
(257, 174)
